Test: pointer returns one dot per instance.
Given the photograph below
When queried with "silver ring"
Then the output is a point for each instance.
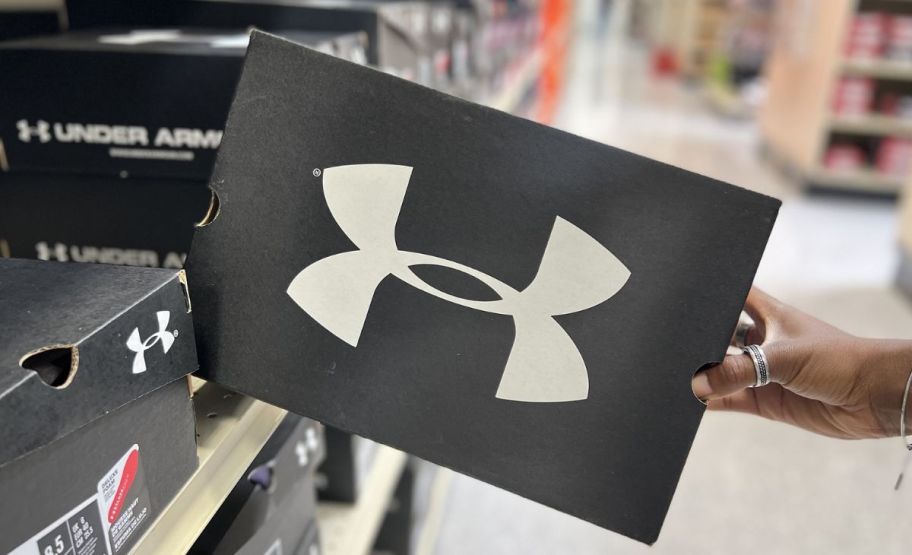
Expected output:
(761, 366)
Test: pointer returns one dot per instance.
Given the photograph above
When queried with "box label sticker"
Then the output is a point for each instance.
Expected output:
(107, 523)
(123, 499)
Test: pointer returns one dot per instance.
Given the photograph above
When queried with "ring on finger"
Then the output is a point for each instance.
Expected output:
(761, 366)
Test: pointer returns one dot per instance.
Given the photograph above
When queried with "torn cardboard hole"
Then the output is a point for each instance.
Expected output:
(55, 364)
(213, 211)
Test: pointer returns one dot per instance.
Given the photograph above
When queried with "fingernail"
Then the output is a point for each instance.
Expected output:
(700, 385)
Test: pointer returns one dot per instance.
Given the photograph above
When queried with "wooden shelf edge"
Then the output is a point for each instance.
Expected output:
(884, 69)
(873, 125)
(864, 181)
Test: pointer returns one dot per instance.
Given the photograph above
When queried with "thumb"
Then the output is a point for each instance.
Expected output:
(735, 373)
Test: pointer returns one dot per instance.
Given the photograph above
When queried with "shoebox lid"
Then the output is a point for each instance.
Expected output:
(522, 305)
(80, 340)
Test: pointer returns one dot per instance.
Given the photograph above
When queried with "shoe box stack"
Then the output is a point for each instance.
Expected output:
(108, 136)
(108, 132)
(272, 508)
(398, 32)
(98, 427)
(25, 21)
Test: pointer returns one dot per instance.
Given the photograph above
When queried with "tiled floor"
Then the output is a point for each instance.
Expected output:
(750, 486)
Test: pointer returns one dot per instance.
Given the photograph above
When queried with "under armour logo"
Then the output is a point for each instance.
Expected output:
(302, 453)
(139, 346)
(576, 273)
(41, 130)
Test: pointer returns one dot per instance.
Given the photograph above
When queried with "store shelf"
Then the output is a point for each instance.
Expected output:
(350, 528)
(881, 69)
(231, 430)
(865, 181)
(508, 99)
(860, 181)
(874, 125)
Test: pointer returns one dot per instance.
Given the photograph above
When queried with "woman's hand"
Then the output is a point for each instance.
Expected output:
(824, 380)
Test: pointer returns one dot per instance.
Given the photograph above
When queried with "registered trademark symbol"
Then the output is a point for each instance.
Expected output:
(175, 332)
(317, 172)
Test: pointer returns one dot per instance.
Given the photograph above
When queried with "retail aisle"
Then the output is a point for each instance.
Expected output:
(750, 486)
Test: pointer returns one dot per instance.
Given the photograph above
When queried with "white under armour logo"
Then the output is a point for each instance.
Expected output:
(576, 273)
(140, 346)
(302, 453)
(42, 130)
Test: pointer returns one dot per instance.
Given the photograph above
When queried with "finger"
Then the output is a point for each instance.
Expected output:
(777, 403)
(761, 308)
(735, 373)
(740, 401)
(761, 401)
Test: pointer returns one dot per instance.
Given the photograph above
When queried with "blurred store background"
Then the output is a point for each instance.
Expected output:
(806, 100)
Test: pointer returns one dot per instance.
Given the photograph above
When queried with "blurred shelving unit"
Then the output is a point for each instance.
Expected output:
(518, 83)
(878, 69)
(798, 121)
(874, 125)
(689, 29)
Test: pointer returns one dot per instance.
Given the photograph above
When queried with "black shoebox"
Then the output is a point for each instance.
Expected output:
(476, 289)
(97, 14)
(77, 218)
(98, 430)
(125, 102)
(349, 459)
(397, 32)
(275, 500)
(15, 24)
(310, 545)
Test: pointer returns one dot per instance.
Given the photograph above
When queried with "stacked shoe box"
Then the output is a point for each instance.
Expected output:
(23, 22)
(98, 428)
(399, 34)
(272, 509)
(107, 139)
